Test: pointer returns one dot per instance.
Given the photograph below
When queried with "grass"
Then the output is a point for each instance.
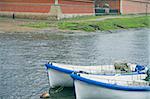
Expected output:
(82, 18)
(79, 23)
(109, 24)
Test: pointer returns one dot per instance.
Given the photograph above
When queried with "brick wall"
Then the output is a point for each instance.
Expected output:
(130, 7)
(76, 6)
(29, 1)
(71, 6)
(24, 8)
(43, 6)
(36, 6)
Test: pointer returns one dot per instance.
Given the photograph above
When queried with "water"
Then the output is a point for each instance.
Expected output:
(23, 55)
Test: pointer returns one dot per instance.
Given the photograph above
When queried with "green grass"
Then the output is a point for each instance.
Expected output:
(109, 24)
(90, 23)
(82, 18)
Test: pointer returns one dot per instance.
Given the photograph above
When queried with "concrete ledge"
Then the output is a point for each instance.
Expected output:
(40, 16)
(26, 15)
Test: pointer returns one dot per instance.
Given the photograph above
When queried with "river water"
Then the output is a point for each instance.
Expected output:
(23, 55)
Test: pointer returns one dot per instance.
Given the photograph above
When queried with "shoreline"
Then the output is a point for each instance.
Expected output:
(59, 32)
(27, 25)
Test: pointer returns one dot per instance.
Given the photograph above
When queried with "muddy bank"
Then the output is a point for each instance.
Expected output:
(14, 25)
(8, 25)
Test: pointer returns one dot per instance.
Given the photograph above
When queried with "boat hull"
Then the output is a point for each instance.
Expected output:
(58, 78)
(85, 90)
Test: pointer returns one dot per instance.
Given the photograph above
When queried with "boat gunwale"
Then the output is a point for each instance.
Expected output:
(67, 71)
(110, 86)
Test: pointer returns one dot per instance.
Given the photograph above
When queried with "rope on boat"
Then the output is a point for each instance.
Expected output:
(148, 76)
(56, 90)
(59, 89)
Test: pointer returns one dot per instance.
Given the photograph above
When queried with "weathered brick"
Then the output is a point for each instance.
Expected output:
(28, 1)
(24, 8)
(130, 7)
(75, 7)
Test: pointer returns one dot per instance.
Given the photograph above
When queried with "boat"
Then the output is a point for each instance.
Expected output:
(88, 86)
(59, 74)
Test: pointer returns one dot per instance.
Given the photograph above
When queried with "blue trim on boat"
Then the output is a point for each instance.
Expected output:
(110, 86)
(50, 65)
(67, 71)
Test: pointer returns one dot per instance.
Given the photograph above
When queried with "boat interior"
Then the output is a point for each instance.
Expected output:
(118, 79)
(99, 69)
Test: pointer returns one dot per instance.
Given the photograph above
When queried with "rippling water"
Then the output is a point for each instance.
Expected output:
(23, 55)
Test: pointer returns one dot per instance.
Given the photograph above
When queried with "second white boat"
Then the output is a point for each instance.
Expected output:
(111, 87)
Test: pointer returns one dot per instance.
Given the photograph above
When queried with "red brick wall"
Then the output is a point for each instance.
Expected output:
(29, 1)
(24, 8)
(130, 7)
(36, 6)
(76, 7)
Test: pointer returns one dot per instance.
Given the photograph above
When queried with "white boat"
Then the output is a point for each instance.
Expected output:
(59, 74)
(89, 86)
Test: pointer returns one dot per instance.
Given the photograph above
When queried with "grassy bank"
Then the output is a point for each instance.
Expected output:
(94, 23)
(108, 24)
